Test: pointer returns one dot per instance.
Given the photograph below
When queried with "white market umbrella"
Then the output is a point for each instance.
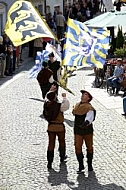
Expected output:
(108, 19)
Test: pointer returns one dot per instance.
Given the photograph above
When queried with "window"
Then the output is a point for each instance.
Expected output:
(48, 9)
(40, 9)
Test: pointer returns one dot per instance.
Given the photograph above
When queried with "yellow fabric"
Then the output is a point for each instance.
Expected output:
(57, 126)
(82, 108)
(24, 23)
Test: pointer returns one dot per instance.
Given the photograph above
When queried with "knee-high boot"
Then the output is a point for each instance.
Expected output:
(80, 161)
(89, 161)
(50, 156)
(62, 153)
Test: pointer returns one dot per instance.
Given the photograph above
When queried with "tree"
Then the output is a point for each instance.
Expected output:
(120, 38)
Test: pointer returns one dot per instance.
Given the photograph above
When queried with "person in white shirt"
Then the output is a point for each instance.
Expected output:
(53, 113)
(83, 129)
(115, 80)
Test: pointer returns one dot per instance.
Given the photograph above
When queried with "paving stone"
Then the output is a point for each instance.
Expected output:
(24, 140)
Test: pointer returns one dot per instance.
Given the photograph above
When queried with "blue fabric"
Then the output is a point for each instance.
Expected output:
(118, 71)
(124, 104)
(84, 45)
(113, 82)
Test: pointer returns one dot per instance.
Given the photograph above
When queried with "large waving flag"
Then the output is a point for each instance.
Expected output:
(24, 23)
(43, 56)
(40, 57)
(85, 45)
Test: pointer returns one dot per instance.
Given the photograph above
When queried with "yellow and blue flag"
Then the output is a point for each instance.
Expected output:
(43, 56)
(85, 45)
(24, 23)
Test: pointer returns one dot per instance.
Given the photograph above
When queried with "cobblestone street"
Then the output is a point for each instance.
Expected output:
(23, 138)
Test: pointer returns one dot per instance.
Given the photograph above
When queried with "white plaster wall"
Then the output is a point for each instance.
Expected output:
(52, 3)
(3, 13)
(8, 2)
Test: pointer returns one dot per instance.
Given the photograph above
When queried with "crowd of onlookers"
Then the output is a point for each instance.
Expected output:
(10, 56)
(57, 22)
(80, 10)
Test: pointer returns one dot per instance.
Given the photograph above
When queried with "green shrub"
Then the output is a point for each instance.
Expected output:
(120, 52)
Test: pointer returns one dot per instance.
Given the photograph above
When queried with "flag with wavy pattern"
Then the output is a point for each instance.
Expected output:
(24, 23)
(43, 56)
(85, 45)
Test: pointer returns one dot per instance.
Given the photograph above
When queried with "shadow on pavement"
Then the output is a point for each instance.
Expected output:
(92, 74)
(42, 116)
(85, 68)
(36, 99)
(92, 183)
(69, 122)
(83, 182)
(72, 75)
(57, 178)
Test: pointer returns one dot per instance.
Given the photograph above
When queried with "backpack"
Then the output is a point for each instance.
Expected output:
(43, 76)
(51, 110)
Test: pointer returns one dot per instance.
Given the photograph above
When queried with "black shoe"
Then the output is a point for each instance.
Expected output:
(8, 74)
(49, 165)
(124, 114)
(90, 168)
(80, 170)
(124, 93)
(63, 159)
(117, 91)
(113, 90)
(50, 155)
(21, 60)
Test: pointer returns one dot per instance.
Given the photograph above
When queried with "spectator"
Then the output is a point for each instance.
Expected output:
(38, 46)
(88, 13)
(60, 24)
(31, 48)
(17, 57)
(14, 59)
(75, 9)
(20, 54)
(54, 16)
(6, 40)
(3, 57)
(90, 5)
(124, 104)
(52, 26)
(9, 61)
(123, 84)
(83, 10)
(117, 77)
(118, 4)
